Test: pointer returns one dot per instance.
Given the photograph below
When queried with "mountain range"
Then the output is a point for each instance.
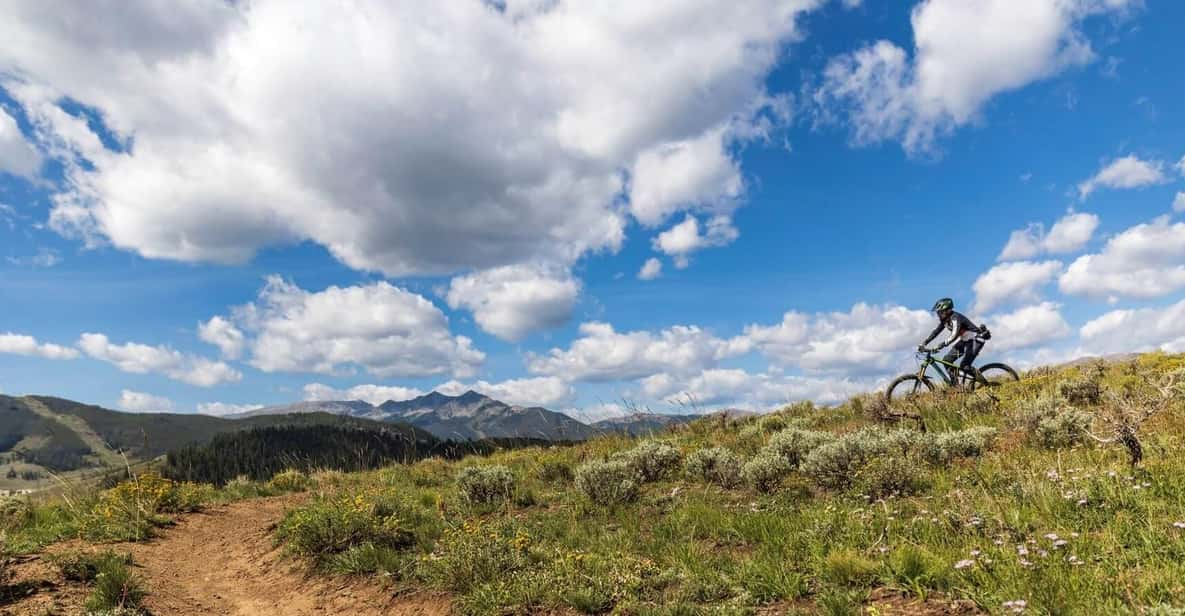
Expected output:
(472, 415)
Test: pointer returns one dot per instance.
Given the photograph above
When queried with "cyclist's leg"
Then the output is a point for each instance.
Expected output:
(973, 348)
(952, 356)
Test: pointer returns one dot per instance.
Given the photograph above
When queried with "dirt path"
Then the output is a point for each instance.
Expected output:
(223, 562)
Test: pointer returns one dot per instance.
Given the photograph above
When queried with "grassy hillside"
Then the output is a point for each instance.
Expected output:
(1005, 503)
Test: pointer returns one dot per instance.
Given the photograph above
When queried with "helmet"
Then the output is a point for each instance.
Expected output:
(945, 303)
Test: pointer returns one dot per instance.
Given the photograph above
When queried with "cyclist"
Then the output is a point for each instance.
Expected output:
(967, 337)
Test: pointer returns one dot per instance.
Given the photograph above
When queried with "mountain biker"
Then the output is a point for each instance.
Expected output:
(967, 337)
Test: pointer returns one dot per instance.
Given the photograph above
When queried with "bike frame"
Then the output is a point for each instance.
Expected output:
(937, 364)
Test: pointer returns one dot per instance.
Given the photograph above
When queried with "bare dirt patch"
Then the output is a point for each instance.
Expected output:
(224, 562)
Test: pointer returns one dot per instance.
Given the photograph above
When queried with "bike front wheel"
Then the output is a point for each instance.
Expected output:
(907, 386)
(993, 375)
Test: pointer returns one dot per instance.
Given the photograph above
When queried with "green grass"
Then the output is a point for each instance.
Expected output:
(984, 507)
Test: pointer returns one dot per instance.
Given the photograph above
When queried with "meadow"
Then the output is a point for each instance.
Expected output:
(1063, 493)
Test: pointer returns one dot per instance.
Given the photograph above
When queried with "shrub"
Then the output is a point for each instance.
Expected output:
(290, 480)
(766, 470)
(848, 567)
(330, 526)
(476, 553)
(942, 447)
(915, 567)
(714, 465)
(115, 587)
(3, 558)
(1063, 430)
(652, 460)
(554, 470)
(1081, 392)
(833, 464)
(485, 484)
(607, 483)
(891, 475)
(1051, 424)
(130, 510)
(13, 512)
(794, 444)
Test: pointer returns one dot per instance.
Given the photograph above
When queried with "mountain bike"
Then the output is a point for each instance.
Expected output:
(988, 375)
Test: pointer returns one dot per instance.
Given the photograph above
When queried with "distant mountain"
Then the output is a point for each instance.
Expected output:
(641, 424)
(42, 433)
(353, 408)
(468, 416)
(472, 415)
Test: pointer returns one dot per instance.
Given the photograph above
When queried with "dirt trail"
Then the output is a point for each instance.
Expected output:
(223, 562)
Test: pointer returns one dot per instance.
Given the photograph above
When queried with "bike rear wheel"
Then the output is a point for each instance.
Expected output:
(907, 386)
(992, 375)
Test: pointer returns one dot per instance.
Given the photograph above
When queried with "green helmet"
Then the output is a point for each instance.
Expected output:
(945, 303)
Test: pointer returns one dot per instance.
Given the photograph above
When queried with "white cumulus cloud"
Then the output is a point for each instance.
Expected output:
(651, 269)
(1145, 329)
(604, 354)
(538, 391)
(20, 344)
(223, 409)
(1144, 261)
(866, 340)
(1179, 202)
(386, 330)
(686, 237)
(416, 137)
(1069, 234)
(139, 402)
(374, 394)
(515, 300)
(224, 335)
(733, 387)
(964, 54)
(144, 359)
(16, 155)
(1013, 283)
(1027, 327)
(1127, 172)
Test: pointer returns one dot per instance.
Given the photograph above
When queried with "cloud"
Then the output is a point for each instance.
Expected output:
(1180, 166)
(675, 176)
(1069, 234)
(738, 388)
(685, 238)
(1027, 327)
(539, 391)
(16, 155)
(139, 402)
(651, 269)
(1016, 282)
(374, 394)
(279, 121)
(866, 340)
(386, 330)
(1179, 202)
(601, 411)
(222, 409)
(19, 344)
(1126, 172)
(144, 359)
(1145, 329)
(1144, 261)
(224, 335)
(45, 257)
(603, 354)
(964, 54)
(513, 301)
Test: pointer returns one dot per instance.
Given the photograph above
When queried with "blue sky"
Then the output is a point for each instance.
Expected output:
(257, 203)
